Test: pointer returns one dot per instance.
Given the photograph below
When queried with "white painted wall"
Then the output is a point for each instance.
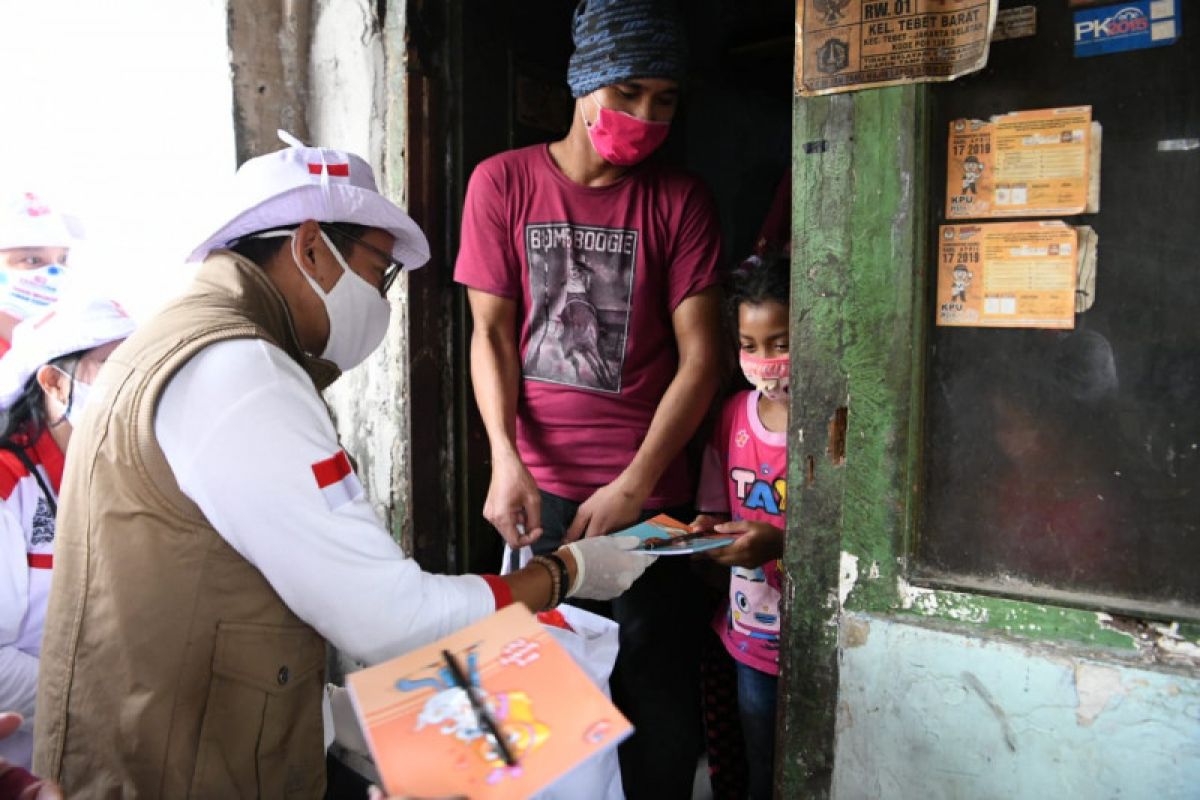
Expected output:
(930, 714)
(347, 109)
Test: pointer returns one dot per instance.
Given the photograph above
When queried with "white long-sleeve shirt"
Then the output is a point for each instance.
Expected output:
(251, 443)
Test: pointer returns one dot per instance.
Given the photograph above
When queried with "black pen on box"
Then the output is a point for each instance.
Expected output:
(481, 712)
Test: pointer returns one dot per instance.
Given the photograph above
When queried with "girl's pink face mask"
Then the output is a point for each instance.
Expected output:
(769, 375)
(624, 139)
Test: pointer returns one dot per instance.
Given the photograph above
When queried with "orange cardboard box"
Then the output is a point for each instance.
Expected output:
(427, 740)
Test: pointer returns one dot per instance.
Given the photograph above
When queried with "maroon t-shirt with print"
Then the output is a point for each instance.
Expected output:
(596, 273)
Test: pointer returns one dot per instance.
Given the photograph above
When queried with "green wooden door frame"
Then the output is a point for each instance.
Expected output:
(858, 278)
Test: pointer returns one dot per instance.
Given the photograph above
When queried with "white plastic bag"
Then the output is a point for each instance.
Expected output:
(593, 644)
(513, 560)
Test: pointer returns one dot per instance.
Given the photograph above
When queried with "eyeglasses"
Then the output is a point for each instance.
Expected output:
(393, 268)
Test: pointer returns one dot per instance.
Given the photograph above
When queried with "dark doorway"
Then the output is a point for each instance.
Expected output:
(486, 77)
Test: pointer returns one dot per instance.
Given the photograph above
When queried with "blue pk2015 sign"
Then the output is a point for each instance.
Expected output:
(1128, 26)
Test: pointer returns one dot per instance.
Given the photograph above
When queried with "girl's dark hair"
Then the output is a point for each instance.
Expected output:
(759, 279)
(26, 418)
(260, 251)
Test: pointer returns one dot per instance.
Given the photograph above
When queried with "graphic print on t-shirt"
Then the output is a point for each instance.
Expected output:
(580, 285)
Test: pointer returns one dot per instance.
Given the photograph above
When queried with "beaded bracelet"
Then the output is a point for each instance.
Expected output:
(564, 578)
(555, 579)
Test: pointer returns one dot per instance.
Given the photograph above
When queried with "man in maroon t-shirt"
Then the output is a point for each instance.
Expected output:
(592, 277)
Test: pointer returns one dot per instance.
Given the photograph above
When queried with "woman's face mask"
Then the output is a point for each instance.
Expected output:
(77, 400)
(26, 292)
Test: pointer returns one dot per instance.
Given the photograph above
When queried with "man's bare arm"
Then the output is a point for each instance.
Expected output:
(513, 504)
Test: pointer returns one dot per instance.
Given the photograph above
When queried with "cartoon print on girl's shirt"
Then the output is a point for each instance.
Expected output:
(767, 495)
(754, 611)
(754, 601)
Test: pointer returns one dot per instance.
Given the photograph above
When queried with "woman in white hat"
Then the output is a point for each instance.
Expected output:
(35, 241)
(44, 383)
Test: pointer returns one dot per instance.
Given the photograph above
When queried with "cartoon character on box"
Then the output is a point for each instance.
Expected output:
(449, 709)
(513, 712)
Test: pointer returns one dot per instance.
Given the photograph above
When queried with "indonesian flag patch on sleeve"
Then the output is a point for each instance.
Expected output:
(336, 480)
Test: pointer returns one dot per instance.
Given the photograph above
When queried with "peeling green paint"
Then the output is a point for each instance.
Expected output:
(885, 288)
(1013, 617)
(1190, 631)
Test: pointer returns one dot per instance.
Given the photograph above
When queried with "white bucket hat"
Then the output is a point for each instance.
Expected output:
(301, 183)
(74, 325)
(26, 220)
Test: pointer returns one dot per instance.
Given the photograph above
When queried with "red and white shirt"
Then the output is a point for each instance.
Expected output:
(26, 563)
(250, 441)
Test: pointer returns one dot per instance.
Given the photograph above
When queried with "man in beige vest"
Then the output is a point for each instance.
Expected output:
(212, 534)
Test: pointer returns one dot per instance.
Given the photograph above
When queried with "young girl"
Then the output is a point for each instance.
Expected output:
(743, 490)
(44, 383)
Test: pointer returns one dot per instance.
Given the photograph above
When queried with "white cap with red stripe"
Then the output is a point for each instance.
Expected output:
(300, 183)
(73, 325)
(27, 220)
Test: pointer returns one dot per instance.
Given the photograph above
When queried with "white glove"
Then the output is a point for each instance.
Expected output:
(604, 567)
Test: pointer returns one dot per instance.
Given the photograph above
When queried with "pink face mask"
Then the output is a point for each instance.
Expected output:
(624, 139)
(769, 375)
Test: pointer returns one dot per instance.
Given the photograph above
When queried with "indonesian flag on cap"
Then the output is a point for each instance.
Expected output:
(319, 170)
(324, 165)
(336, 480)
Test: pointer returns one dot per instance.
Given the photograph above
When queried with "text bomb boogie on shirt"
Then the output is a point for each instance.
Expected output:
(578, 238)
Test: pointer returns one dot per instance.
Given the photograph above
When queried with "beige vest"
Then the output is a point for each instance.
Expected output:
(169, 667)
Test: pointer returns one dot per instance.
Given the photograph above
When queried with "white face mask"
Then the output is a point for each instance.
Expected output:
(358, 314)
(26, 292)
(76, 402)
(79, 400)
